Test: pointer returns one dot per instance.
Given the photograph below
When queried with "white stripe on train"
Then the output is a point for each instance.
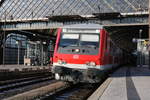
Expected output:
(84, 66)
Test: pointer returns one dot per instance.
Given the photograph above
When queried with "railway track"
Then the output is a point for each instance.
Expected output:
(38, 92)
(18, 80)
(79, 91)
(13, 87)
(22, 83)
(73, 92)
(52, 90)
(44, 87)
(4, 76)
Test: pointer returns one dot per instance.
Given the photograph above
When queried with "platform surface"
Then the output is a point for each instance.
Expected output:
(128, 83)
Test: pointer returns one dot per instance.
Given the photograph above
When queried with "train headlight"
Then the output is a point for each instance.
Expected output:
(77, 50)
(61, 62)
(64, 62)
(91, 63)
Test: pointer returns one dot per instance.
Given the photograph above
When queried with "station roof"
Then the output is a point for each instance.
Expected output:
(66, 17)
(26, 9)
(1, 2)
(108, 15)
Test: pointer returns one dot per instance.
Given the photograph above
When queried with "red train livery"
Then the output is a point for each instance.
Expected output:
(84, 53)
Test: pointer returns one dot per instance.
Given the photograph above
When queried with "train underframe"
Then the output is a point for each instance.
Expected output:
(90, 75)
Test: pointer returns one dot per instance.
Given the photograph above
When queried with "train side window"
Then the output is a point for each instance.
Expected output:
(106, 43)
(111, 48)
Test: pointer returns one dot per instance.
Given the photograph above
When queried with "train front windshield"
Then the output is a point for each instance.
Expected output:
(90, 40)
(79, 43)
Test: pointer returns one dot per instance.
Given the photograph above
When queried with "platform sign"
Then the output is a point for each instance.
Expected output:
(143, 52)
(134, 40)
(145, 42)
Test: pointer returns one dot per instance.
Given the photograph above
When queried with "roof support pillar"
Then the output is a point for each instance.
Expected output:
(149, 31)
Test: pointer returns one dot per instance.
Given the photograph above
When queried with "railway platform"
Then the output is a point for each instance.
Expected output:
(7, 68)
(128, 83)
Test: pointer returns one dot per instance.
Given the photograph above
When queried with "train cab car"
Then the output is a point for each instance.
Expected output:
(83, 53)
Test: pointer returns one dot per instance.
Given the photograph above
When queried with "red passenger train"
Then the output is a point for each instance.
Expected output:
(84, 53)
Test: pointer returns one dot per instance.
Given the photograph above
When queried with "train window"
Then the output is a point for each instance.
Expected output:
(106, 42)
(110, 49)
(87, 43)
(69, 40)
(90, 39)
(70, 36)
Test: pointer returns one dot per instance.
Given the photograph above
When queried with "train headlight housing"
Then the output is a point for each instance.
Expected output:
(77, 50)
(91, 63)
(61, 62)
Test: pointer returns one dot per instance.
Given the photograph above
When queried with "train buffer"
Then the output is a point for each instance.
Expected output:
(128, 83)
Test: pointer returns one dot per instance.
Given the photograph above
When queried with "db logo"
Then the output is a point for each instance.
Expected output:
(75, 56)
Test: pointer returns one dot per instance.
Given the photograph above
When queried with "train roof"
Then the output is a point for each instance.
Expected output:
(83, 26)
